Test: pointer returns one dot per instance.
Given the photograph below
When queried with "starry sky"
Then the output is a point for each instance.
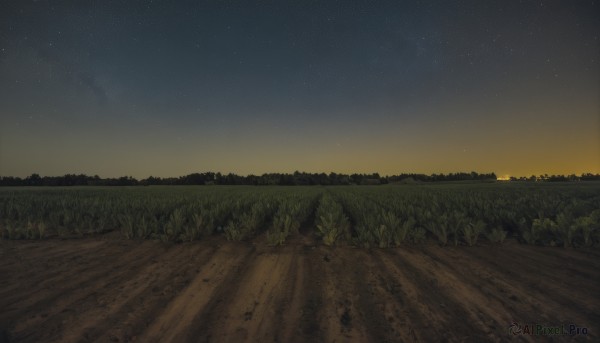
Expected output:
(168, 88)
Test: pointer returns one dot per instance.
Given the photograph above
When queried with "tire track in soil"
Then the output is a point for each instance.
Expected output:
(53, 269)
(555, 280)
(381, 301)
(309, 327)
(575, 263)
(423, 301)
(29, 250)
(490, 283)
(499, 280)
(399, 307)
(580, 257)
(80, 290)
(13, 254)
(50, 275)
(589, 252)
(487, 313)
(543, 293)
(53, 252)
(40, 290)
(251, 314)
(297, 309)
(133, 327)
(269, 304)
(303, 292)
(208, 289)
(462, 323)
(345, 297)
(78, 318)
(117, 311)
(290, 310)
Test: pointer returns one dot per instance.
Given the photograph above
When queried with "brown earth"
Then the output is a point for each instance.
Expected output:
(111, 290)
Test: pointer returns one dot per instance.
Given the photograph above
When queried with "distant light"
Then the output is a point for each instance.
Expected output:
(503, 178)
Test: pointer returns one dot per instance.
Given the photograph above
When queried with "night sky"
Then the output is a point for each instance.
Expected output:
(152, 88)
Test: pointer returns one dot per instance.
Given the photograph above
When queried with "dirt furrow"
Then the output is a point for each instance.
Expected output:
(464, 317)
(423, 300)
(403, 305)
(525, 304)
(381, 301)
(74, 260)
(583, 255)
(486, 312)
(251, 313)
(121, 304)
(310, 327)
(341, 315)
(551, 300)
(214, 282)
(27, 251)
(220, 291)
(570, 264)
(289, 312)
(488, 281)
(79, 291)
(53, 270)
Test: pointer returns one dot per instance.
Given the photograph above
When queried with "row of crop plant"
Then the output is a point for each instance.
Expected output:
(294, 211)
(366, 216)
(428, 212)
(27, 214)
(331, 222)
(376, 225)
(456, 216)
(166, 213)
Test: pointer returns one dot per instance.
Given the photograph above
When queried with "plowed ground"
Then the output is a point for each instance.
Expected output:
(110, 290)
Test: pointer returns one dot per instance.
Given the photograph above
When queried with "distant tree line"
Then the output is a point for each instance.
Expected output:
(67, 180)
(558, 178)
(297, 178)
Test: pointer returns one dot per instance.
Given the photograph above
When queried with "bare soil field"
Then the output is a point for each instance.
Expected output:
(106, 289)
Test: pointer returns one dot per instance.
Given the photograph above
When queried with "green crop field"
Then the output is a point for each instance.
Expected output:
(390, 263)
(561, 214)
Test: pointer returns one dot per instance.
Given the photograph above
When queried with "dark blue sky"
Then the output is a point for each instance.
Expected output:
(163, 88)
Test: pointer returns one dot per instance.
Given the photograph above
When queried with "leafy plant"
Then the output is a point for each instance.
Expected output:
(418, 235)
(496, 235)
(402, 233)
(41, 230)
(439, 228)
(457, 224)
(127, 226)
(472, 231)
(331, 227)
(539, 227)
(565, 228)
(586, 225)
(174, 226)
(332, 224)
(283, 226)
(146, 226)
(233, 231)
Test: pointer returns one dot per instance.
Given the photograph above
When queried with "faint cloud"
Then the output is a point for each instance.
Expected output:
(69, 71)
(91, 83)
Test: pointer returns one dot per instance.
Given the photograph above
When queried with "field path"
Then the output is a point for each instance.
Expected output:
(112, 290)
